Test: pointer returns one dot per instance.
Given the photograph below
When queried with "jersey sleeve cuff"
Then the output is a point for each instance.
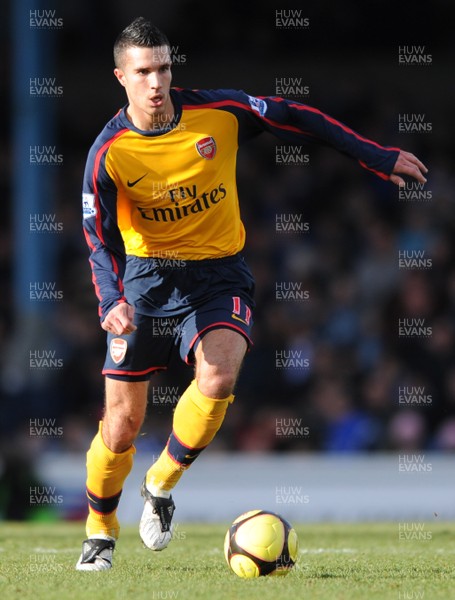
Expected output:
(106, 307)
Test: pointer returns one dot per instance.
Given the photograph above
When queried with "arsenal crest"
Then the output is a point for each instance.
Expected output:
(206, 147)
(117, 349)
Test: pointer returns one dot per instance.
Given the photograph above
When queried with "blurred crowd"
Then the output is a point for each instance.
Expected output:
(371, 384)
(350, 381)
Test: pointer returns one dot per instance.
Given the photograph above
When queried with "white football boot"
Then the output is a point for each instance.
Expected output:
(96, 554)
(155, 527)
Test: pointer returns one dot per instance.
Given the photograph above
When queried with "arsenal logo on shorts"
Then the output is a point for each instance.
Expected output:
(117, 349)
(206, 147)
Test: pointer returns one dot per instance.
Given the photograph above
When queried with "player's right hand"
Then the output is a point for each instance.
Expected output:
(119, 320)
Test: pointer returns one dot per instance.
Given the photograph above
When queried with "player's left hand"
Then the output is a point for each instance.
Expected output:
(408, 164)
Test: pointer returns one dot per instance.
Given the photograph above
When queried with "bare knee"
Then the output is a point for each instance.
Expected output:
(124, 413)
(218, 360)
(216, 382)
(120, 429)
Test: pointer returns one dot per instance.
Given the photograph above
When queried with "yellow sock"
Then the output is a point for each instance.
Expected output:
(196, 420)
(106, 473)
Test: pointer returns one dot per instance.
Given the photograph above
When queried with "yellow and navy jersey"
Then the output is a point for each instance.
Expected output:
(172, 192)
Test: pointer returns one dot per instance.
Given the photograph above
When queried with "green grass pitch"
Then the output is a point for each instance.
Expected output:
(336, 562)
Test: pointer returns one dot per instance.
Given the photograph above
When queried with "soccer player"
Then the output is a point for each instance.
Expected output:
(161, 218)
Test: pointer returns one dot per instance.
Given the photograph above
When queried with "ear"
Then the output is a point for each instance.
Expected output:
(120, 76)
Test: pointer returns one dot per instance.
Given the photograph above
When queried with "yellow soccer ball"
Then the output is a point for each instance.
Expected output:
(260, 542)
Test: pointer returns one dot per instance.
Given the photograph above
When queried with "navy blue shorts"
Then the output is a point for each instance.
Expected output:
(176, 303)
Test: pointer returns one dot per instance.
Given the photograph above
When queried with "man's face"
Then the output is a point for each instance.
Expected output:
(145, 73)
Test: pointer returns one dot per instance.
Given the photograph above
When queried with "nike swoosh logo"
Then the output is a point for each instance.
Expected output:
(238, 319)
(133, 183)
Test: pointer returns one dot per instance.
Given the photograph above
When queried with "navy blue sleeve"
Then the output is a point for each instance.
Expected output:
(107, 251)
(296, 123)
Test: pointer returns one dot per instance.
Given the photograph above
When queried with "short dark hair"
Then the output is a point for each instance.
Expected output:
(140, 33)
